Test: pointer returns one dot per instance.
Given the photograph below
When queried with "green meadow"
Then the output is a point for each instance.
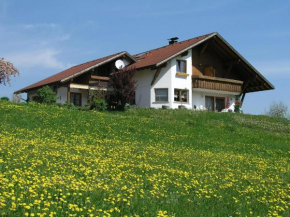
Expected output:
(141, 162)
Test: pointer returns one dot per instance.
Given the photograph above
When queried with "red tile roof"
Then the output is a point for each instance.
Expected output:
(69, 72)
(158, 55)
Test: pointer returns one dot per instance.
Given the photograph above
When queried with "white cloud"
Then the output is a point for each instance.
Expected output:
(42, 58)
(40, 25)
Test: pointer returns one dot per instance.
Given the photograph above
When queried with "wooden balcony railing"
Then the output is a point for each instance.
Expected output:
(215, 83)
(99, 81)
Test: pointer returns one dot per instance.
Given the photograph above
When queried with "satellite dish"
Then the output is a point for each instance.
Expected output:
(119, 64)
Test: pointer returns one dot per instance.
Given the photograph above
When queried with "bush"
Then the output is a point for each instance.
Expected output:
(70, 106)
(45, 95)
(99, 104)
(278, 110)
(4, 98)
(98, 101)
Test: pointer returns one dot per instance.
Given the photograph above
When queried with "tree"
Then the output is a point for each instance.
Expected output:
(278, 109)
(124, 86)
(45, 95)
(17, 98)
(7, 70)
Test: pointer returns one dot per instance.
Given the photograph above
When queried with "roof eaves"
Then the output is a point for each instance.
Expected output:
(249, 64)
(94, 66)
(131, 57)
(189, 47)
(24, 90)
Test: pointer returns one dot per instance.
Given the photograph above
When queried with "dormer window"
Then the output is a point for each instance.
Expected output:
(181, 66)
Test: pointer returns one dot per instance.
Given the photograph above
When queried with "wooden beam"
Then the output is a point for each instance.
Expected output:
(161, 66)
(203, 49)
(228, 70)
(232, 62)
(258, 87)
(100, 78)
(243, 97)
(246, 86)
(68, 93)
(184, 53)
(156, 75)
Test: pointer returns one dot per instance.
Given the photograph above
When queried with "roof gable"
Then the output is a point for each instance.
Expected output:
(160, 55)
(74, 71)
(157, 57)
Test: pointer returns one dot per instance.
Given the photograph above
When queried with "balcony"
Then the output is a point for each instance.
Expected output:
(215, 83)
(94, 83)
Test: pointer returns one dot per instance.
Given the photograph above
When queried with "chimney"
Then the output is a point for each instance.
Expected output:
(173, 40)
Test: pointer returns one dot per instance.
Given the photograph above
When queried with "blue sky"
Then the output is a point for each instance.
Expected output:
(42, 37)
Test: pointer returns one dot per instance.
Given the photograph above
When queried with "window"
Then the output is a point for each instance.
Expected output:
(76, 99)
(214, 103)
(161, 95)
(220, 103)
(181, 66)
(209, 103)
(180, 95)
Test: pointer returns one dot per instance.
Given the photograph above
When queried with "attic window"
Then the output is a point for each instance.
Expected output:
(181, 66)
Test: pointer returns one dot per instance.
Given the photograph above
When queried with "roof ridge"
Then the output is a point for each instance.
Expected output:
(82, 64)
(140, 54)
(97, 59)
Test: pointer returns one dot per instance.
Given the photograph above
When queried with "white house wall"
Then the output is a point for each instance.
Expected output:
(84, 93)
(61, 95)
(163, 81)
(198, 98)
(31, 94)
(179, 82)
(142, 94)
(167, 78)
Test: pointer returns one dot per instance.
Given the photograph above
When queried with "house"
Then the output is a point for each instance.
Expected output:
(205, 72)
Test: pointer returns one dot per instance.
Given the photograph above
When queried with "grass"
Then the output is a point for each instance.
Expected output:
(144, 162)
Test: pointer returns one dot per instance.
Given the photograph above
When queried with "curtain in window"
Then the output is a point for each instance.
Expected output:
(161, 94)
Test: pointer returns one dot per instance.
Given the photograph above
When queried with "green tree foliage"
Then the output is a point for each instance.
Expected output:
(4, 98)
(46, 95)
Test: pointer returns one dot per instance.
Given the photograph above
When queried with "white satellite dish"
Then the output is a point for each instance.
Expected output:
(119, 64)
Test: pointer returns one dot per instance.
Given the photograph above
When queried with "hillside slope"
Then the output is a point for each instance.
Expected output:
(144, 162)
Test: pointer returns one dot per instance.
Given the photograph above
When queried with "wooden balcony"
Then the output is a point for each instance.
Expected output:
(94, 83)
(99, 81)
(214, 83)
